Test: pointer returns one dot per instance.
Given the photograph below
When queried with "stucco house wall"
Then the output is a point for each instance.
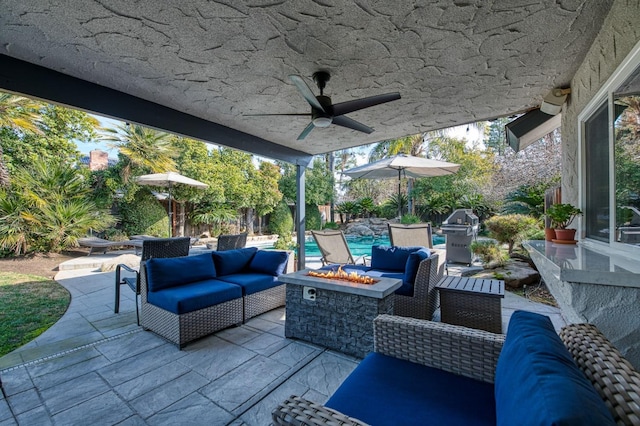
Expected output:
(619, 34)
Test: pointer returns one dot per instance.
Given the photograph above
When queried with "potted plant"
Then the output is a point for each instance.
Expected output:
(561, 216)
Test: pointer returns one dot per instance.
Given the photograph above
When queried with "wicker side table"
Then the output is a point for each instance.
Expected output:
(472, 302)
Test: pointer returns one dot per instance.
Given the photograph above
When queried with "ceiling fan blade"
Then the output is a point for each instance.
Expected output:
(306, 131)
(357, 104)
(349, 123)
(306, 92)
(266, 115)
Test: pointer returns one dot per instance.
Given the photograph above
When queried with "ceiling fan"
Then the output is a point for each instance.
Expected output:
(324, 113)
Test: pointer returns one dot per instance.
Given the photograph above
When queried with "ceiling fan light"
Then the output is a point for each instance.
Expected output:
(322, 121)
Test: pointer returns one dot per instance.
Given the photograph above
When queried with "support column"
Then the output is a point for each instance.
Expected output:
(300, 215)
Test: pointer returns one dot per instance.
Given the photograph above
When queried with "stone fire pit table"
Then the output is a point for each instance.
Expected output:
(336, 314)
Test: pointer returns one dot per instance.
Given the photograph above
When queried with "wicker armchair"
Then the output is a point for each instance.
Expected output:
(425, 299)
(474, 353)
(155, 247)
(231, 242)
(417, 234)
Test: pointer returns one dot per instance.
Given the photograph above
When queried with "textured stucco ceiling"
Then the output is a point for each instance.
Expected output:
(453, 62)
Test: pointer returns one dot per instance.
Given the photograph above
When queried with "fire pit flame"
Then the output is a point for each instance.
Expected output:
(343, 275)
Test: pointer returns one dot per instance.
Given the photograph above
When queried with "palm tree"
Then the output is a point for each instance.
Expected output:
(20, 114)
(143, 148)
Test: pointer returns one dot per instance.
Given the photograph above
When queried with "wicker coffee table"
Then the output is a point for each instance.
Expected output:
(472, 302)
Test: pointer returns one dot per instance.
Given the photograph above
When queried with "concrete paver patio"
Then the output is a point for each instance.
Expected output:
(97, 367)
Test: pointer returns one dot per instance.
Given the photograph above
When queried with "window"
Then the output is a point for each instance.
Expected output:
(612, 199)
(626, 159)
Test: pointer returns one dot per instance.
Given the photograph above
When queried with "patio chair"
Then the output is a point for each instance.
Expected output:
(417, 234)
(100, 245)
(231, 242)
(151, 248)
(334, 248)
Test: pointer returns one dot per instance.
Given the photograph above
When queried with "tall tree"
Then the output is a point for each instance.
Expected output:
(269, 195)
(142, 148)
(17, 114)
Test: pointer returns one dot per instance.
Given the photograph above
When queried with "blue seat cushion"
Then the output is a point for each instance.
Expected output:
(538, 383)
(194, 296)
(270, 262)
(346, 268)
(175, 271)
(233, 261)
(388, 391)
(391, 258)
(413, 263)
(252, 282)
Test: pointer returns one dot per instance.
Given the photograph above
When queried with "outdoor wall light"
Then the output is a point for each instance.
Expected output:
(552, 103)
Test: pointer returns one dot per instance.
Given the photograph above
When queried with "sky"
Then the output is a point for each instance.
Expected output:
(470, 133)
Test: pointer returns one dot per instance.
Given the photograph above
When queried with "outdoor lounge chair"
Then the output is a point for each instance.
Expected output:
(334, 248)
(231, 242)
(151, 248)
(100, 245)
(417, 234)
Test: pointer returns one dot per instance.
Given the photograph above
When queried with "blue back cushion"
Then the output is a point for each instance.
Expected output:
(233, 261)
(390, 258)
(388, 391)
(174, 271)
(269, 262)
(413, 263)
(538, 383)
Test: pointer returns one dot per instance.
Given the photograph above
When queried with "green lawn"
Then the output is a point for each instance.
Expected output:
(29, 305)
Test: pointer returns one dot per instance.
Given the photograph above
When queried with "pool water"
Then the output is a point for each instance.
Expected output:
(359, 246)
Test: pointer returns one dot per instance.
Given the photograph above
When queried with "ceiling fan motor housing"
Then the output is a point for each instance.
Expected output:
(320, 118)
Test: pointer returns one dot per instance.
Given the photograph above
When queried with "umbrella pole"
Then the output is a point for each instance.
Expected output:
(399, 194)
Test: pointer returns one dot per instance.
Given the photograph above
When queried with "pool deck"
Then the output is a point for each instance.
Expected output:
(97, 367)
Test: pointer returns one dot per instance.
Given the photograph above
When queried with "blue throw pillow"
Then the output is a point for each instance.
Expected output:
(538, 383)
(413, 263)
(174, 271)
(270, 262)
(233, 261)
(390, 258)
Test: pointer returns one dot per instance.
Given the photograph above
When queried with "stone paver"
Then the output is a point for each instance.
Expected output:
(97, 367)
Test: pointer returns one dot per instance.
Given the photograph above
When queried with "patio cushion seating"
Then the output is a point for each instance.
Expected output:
(187, 298)
(251, 282)
(151, 248)
(419, 268)
(233, 261)
(192, 296)
(424, 372)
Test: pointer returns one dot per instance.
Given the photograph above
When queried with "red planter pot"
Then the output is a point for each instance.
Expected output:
(549, 234)
(565, 235)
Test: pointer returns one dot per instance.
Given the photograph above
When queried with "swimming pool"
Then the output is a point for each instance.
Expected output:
(359, 246)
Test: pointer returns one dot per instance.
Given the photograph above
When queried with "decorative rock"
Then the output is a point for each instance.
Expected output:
(361, 230)
(515, 274)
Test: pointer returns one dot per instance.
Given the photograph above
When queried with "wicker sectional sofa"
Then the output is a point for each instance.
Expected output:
(419, 268)
(186, 298)
(425, 372)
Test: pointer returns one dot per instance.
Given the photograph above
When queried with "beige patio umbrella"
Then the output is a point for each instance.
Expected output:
(402, 165)
(169, 179)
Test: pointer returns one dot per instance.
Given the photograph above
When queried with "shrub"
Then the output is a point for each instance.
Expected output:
(490, 253)
(281, 220)
(409, 219)
(331, 225)
(144, 216)
(510, 228)
(313, 219)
